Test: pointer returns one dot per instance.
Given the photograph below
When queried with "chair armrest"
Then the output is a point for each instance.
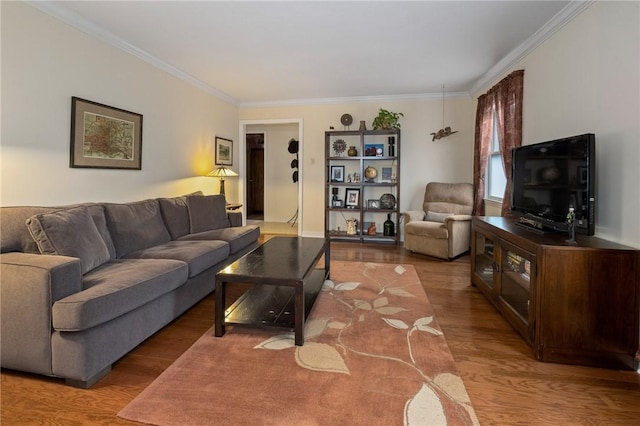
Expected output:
(458, 217)
(459, 227)
(416, 215)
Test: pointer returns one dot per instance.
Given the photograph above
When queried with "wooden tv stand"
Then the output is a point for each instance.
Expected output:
(573, 303)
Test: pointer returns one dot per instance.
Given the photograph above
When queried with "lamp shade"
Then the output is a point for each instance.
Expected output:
(222, 172)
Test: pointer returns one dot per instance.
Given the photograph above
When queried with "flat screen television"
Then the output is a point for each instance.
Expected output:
(549, 177)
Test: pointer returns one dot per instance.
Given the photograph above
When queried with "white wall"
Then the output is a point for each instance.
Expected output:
(586, 79)
(280, 192)
(422, 161)
(44, 63)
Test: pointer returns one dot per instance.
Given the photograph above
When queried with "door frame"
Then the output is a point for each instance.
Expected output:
(242, 188)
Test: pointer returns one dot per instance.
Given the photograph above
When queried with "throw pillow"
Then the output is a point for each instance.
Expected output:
(70, 232)
(437, 217)
(207, 212)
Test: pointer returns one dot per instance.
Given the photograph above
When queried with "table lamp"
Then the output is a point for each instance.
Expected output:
(221, 173)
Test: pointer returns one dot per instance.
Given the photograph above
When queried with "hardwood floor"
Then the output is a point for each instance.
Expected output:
(506, 384)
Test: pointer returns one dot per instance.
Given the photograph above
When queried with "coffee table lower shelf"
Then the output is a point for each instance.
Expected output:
(272, 306)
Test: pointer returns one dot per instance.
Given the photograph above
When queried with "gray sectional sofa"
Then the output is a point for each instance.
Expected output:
(82, 285)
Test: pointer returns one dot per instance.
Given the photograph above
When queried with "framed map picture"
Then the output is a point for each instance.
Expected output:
(104, 137)
(224, 152)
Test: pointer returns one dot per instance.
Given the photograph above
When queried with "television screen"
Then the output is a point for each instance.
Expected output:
(550, 177)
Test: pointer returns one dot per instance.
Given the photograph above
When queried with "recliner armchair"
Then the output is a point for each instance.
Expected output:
(443, 229)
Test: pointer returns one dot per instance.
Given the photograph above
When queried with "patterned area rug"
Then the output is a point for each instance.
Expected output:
(373, 355)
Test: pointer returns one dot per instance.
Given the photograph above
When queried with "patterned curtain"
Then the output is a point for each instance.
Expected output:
(482, 147)
(509, 116)
(505, 98)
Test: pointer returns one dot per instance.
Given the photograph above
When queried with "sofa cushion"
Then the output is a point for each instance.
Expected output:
(135, 226)
(176, 214)
(117, 287)
(238, 237)
(97, 214)
(70, 232)
(207, 212)
(14, 233)
(428, 229)
(199, 255)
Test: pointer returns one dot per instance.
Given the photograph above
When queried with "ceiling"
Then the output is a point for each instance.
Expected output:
(275, 52)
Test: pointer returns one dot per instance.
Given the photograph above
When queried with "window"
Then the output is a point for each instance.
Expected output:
(497, 180)
(491, 172)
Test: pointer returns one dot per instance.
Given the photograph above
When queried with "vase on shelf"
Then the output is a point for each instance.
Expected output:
(363, 126)
(389, 227)
(352, 224)
(353, 152)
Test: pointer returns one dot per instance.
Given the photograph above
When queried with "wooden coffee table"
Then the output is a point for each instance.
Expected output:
(287, 281)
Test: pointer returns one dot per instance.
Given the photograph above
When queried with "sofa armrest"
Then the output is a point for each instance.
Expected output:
(416, 215)
(235, 218)
(30, 284)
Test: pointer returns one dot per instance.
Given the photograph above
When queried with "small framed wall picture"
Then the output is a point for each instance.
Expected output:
(337, 174)
(224, 152)
(352, 198)
(373, 204)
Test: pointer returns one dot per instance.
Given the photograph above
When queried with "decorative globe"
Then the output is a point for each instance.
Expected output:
(370, 173)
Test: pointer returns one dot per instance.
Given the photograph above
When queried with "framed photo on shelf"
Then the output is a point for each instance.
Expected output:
(104, 137)
(224, 152)
(374, 150)
(373, 204)
(337, 173)
(386, 174)
(352, 198)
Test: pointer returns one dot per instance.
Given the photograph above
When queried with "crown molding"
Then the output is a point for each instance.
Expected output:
(53, 9)
(352, 100)
(566, 15)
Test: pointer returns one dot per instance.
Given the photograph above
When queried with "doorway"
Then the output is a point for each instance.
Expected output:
(255, 176)
(280, 197)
